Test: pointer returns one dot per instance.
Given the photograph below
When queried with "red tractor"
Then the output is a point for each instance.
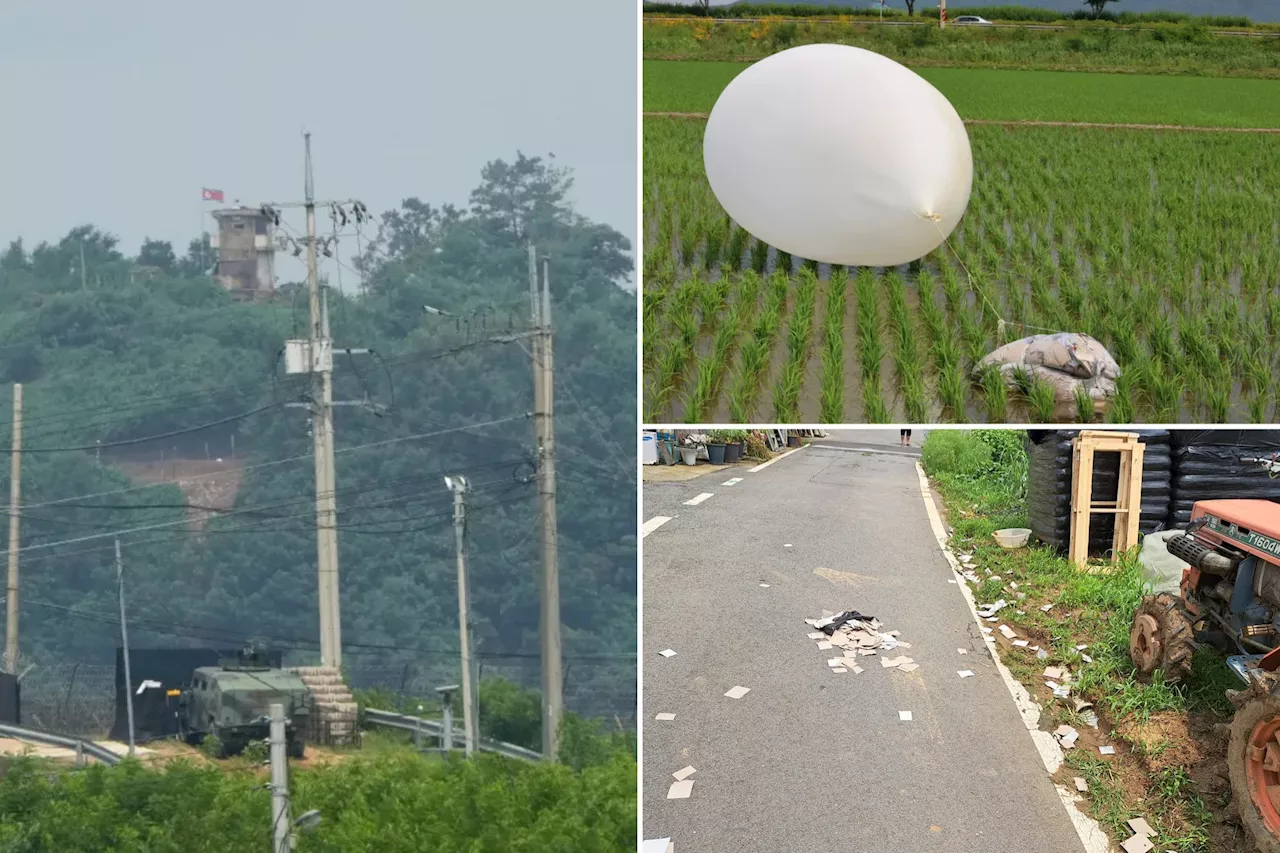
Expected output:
(1230, 598)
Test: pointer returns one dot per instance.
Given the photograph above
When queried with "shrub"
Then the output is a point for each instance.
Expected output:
(955, 453)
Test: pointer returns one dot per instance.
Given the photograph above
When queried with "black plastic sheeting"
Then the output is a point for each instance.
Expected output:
(1207, 465)
(9, 700)
(153, 712)
(1049, 487)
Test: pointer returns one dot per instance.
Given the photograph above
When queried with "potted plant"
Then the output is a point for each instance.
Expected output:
(732, 439)
(716, 446)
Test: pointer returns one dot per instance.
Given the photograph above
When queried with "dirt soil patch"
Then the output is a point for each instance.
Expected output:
(210, 485)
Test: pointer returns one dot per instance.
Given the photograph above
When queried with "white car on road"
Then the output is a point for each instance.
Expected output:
(970, 19)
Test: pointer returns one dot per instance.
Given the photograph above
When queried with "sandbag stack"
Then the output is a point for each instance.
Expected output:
(1208, 465)
(1049, 486)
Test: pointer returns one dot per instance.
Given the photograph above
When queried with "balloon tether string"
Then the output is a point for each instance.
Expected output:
(1001, 323)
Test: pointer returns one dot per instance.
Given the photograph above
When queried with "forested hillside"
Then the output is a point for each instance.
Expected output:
(115, 348)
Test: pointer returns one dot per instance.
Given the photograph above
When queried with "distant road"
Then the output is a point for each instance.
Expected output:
(877, 22)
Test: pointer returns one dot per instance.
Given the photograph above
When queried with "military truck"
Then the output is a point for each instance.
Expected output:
(232, 701)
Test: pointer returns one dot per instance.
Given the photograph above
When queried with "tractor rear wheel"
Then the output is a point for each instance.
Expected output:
(1253, 761)
(1162, 638)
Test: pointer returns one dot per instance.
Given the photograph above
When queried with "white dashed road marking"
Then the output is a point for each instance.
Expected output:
(653, 524)
(735, 481)
(699, 499)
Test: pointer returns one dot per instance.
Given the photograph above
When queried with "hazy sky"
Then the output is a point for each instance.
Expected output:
(118, 113)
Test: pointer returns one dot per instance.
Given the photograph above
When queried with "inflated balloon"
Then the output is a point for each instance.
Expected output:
(839, 155)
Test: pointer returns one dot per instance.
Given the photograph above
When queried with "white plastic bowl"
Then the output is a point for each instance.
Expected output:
(1012, 537)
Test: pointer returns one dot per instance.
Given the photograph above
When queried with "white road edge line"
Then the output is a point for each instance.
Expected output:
(653, 524)
(764, 465)
(699, 499)
(1091, 835)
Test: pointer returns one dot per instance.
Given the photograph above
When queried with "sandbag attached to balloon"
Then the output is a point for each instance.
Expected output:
(839, 155)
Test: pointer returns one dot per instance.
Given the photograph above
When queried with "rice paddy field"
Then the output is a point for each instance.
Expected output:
(1164, 245)
(1147, 49)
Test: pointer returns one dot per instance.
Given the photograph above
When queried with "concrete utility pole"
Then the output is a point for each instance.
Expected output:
(15, 494)
(470, 719)
(942, 15)
(124, 644)
(281, 826)
(321, 351)
(545, 443)
(314, 356)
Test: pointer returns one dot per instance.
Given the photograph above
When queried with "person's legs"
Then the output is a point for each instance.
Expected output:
(908, 434)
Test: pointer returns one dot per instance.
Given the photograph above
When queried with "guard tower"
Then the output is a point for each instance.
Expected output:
(246, 253)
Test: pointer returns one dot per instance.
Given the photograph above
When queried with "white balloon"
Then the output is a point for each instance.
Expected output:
(839, 155)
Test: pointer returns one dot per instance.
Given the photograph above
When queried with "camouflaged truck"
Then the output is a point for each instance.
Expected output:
(233, 702)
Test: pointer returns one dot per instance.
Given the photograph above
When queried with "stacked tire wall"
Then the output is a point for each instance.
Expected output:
(1049, 455)
(1208, 465)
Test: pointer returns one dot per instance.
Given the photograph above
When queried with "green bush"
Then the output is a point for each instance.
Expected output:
(395, 802)
(955, 453)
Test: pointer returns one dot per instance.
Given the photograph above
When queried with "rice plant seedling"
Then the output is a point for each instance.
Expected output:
(1040, 399)
(874, 410)
(1167, 262)
(831, 401)
(995, 395)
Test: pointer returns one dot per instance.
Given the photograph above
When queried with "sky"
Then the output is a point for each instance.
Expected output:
(120, 113)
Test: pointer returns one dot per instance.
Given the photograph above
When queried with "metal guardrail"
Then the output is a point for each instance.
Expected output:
(81, 747)
(434, 728)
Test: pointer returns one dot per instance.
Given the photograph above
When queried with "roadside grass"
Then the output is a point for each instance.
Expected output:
(1091, 609)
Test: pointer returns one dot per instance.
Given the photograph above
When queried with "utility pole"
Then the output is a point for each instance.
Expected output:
(314, 356)
(545, 444)
(942, 15)
(281, 826)
(84, 284)
(470, 721)
(124, 642)
(15, 495)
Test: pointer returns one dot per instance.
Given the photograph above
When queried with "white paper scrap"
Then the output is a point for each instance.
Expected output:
(1081, 785)
(965, 673)
(665, 716)
(738, 692)
(1007, 631)
(1137, 844)
(1046, 608)
(962, 651)
(1140, 826)
(904, 716)
(1022, 644)
(655, 845)
(1106, 750)
(680, 790)
(816, 635)
(681, 775)
(667, 653)
(765, 585)
(148, 685)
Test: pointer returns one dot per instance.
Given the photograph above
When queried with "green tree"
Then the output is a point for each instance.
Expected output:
(157, 253)
(1098, 6)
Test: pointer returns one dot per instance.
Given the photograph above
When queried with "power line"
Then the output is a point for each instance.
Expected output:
(130, 441)
(381, 443)
(274, 462)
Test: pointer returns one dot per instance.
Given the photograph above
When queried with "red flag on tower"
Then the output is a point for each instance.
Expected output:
(211, 195)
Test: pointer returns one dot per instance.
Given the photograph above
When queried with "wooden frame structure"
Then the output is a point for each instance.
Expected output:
(1128, 503)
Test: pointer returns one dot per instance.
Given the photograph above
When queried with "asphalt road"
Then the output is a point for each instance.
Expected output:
(811, 760)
